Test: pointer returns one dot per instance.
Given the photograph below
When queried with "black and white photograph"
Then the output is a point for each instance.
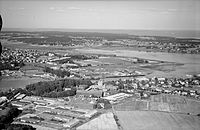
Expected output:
(99, 64)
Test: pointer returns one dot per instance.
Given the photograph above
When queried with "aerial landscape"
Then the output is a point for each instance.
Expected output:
(100, 65)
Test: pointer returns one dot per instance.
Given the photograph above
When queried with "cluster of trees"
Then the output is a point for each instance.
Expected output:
(14, 65)
(10, 94)
(20, 127)
(82, 57)
(50, 40)
(56, 88)
(6, 118)
(7, 115)
(59, 72)
(106, 104)
(65, 61)
(66, 93)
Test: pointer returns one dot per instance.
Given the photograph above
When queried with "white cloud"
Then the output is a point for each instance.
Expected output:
(60, 10)
(74, 8)
(52, 8)
(165, 12)
(172, 10)
(57, 9)
(21, 8)
(92, 9)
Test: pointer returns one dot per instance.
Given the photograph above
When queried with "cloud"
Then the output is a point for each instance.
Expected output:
(160, 10)
(168, 11)
(165, 12)
(21, 8)
(92, 10)
(52, 8)
(172, 10)
(60, 10)
(57, 9)
(73, 8)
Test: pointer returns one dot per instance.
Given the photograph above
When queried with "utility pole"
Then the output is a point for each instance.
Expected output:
(1, 23)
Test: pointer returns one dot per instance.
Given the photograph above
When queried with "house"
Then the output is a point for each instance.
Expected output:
(117, 97)
(111, 87)
(71, 123)
(90, 114)
(3, 99)
(82, 87)
(30, 120)
(27, 116)
(43, 109)
(19, 103)
(102, 103)
(142, 79)
(98, 87)
(20, 96)
(95, 93)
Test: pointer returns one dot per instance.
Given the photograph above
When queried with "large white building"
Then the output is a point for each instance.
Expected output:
(117, 97)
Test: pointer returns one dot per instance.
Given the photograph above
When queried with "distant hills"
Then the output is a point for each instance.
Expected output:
(168, 33)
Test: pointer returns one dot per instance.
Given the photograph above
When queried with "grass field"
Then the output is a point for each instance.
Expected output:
(132, 104)
(103, 122)
(171, 99)
(174, 103)
(151, 120)
(165, 103)
(80, 103)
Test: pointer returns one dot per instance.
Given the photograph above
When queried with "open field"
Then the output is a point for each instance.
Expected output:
(174, 103)
(80, 103)
(171, 99)
(163, 103)
(132, 105)
(151, 120)
(103, 122)
(38, 127)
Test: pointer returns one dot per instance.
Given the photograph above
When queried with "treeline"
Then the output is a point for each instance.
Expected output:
(43, 41)
(6, 118)
(57, 88)
(20, 127)
(82, 57)
(7, 115)
(65, 61)
(66, 93)
(59, 72)
(14, 65)
(10, 94)
(50, 37)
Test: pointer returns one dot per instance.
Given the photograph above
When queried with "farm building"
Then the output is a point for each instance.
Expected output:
(90, 114)
(117, 97)
(71, 123)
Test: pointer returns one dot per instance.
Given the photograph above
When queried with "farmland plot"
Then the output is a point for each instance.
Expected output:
(151, 120)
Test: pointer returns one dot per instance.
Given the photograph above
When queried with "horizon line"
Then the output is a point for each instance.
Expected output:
(17, 29)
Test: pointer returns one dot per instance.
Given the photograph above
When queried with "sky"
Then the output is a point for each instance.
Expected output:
(110, 14)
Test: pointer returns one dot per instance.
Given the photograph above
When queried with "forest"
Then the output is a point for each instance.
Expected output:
(57, 88)
(59, 72)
